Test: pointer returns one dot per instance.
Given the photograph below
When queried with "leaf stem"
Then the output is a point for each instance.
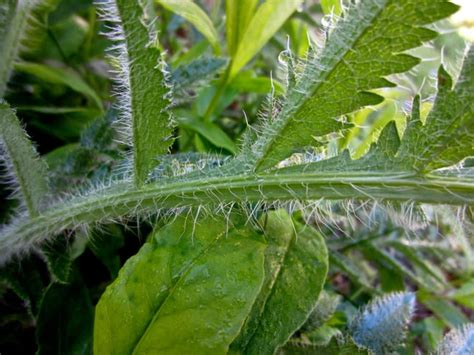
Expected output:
(123, 199)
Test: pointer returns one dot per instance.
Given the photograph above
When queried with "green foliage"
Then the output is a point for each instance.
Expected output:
(65, 326)
(13, 23)
(382, 325)
(161, 296)
(194, 14)
(142, 88)
(360, 51)
(305, 226)
(280, 311)
(458, 341)
(332, 7)
(450, 119)
(59, 76)
(266, 20)
(27, 171)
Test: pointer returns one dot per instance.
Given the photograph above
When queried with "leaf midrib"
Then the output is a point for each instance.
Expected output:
(179, 277)
(295, 107)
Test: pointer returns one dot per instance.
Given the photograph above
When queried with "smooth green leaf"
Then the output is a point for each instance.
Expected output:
(304, 268)
(444, 309)
(266, 21)
(465, 294)
(143, 90)
(364, 47)
(212, 132)
(280, 234)
(245, 82)
(53, 110)
(65, 320)
(189, 271)
(238, 16)
(56, 75)
(336, 346)
(27, 170)
(194, 14)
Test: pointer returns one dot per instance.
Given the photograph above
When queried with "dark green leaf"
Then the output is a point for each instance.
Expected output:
(295, 291)
(65, 320)
(62, 76)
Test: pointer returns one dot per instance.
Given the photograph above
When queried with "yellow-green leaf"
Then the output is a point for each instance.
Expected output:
(194, 14)
(267, 20)
(187, 291)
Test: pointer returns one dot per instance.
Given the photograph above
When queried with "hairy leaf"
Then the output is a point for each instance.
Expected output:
(364, 47)
(22, 162)
(458, 341)
(142, 92)
(187, 272)
(381, 326)
(199, 70)
(447, 137)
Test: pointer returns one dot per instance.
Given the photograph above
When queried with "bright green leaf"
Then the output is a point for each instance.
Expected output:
(212, 132)
(331, 7)
(238, 16)
(266, 21)
(430, 146)
(194, 14)
(465, 294)
(245, 82)
(190, 271)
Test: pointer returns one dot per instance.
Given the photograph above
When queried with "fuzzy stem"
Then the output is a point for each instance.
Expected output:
(123, 199)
